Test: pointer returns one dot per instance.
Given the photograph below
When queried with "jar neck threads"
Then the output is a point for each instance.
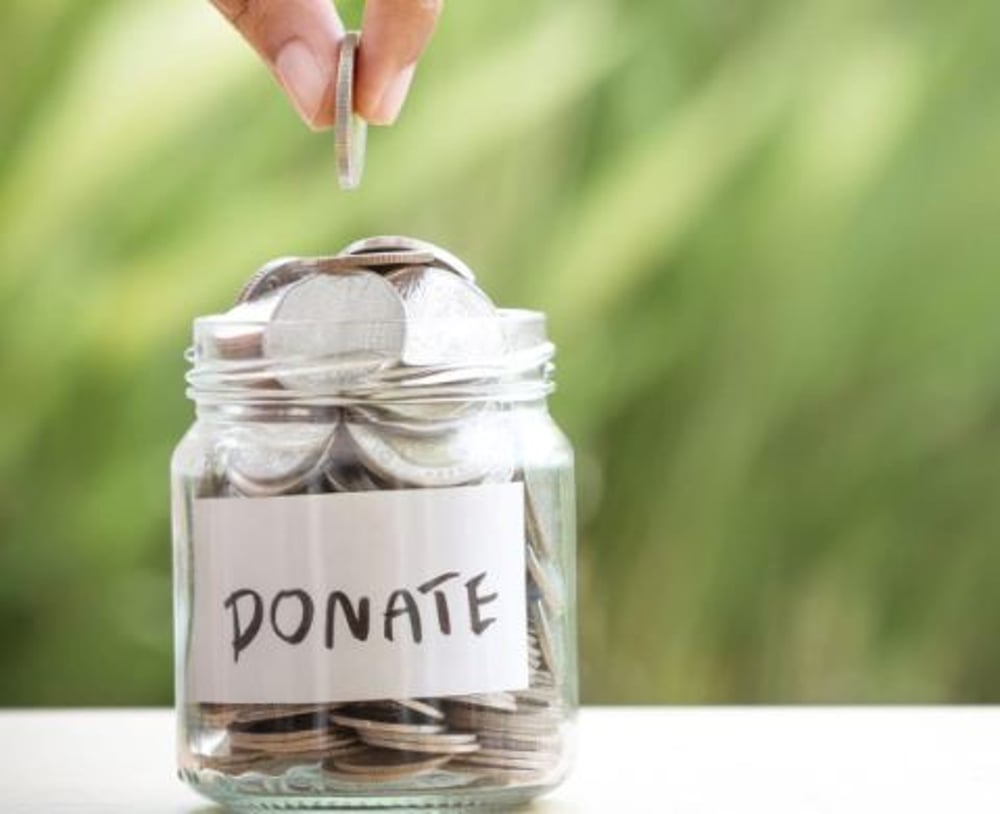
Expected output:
(240, 364)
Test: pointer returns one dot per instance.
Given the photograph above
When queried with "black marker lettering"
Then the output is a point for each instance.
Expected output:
(475, 600)
(243, 636)
(440, 600)
(304, 623)
(358, 622)
(410, 609)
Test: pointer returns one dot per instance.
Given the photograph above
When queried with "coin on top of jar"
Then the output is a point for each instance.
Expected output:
(450, 320)
(440, 257)
(331, 328)
(274, 274)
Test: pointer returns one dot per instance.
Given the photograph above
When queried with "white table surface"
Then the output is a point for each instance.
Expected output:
(678, 760)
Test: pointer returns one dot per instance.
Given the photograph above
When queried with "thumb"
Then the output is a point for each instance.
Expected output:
(299, 41)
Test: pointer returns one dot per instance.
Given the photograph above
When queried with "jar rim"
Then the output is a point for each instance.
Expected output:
(261, 362)
(514, 317)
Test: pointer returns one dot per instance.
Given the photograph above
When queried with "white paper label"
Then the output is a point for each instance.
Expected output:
(351, 597)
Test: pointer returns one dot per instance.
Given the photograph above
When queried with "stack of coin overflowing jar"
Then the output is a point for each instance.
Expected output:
(383, 369)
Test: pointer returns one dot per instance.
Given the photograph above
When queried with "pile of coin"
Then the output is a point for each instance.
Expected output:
(408, 311)
(388, 302)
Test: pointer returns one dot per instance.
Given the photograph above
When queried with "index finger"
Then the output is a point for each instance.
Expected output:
(298, 39)
(394, 34)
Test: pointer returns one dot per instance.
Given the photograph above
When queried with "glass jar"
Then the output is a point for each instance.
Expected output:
(374, 571)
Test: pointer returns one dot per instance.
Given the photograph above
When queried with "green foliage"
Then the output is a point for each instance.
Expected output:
(766, 237)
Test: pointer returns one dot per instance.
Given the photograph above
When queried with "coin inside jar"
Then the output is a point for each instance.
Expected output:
(415, 420)
(345, 472)
(440, 744)
(385, 764)
(274, 459)
(467, 455)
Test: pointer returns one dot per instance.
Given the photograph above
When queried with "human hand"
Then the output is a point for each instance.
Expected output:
(300, 40)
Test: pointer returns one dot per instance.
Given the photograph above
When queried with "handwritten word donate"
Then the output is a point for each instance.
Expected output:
(291, 614)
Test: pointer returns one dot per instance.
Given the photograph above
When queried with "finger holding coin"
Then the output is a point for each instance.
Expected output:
(300, 40)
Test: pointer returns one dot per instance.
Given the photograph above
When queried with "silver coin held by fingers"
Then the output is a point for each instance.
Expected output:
(350, 131)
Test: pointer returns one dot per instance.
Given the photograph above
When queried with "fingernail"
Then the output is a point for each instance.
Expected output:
(393, 97)
(303, 78)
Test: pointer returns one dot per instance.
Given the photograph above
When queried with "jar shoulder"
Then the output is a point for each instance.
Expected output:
(542, 440)
(191, 452)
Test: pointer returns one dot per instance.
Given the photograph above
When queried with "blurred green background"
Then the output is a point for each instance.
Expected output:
(767, 238)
